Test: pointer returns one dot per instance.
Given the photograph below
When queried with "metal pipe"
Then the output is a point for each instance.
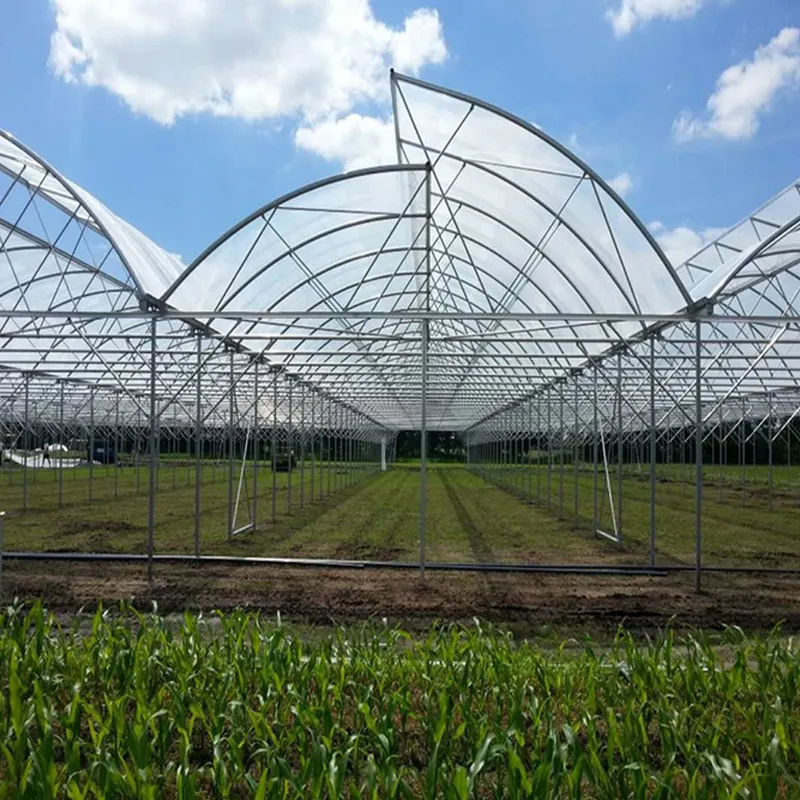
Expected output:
(290, 451)
(63, 437)
(26, 444)
(312, 468)
(549, 448)
(576, 378)
(698, 444)
(620, 445)
(770, 449)
(151, 501)
(652, 452)
(595, 453)
(561, 443)
(302, 445)
(91, 442)
(198, 444)
(321, 563)
(138, 448)
(538, 449)
(231, 446)
(116, 445)
(329, 427)
(256, 442)
(273, 447)
(423, 501)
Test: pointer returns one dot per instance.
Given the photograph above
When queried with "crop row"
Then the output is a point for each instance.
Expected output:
(131, 705)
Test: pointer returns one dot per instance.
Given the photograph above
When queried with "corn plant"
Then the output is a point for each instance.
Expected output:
(131, 705)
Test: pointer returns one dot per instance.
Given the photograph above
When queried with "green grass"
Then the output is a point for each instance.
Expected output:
(369, 516)
(739, 526)
(131, 706)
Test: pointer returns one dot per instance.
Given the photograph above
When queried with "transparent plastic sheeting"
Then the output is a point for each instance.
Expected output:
(350, 243)
(484, 214)
(152, 267)
(719, 259)
(526, 221)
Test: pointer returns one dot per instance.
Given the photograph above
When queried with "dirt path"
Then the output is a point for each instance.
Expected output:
(316, 595)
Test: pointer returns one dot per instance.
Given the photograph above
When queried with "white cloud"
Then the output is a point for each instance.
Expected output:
(635, 12)
(745, 91)
(253, 59)
(355, 140)
(682, 242)
(621, 184)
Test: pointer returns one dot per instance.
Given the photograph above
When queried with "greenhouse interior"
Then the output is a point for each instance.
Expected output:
(489, 286)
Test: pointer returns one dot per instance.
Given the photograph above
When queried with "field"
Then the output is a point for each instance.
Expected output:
(226, 707)
(344, 513)
(368, 691)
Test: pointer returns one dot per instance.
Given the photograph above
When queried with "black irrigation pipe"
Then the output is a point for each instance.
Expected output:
(323, 563)
(442, 566)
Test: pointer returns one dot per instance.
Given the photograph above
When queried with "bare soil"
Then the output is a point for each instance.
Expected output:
(343, 595)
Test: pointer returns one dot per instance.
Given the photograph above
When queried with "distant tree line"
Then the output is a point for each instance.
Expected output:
(442, 446)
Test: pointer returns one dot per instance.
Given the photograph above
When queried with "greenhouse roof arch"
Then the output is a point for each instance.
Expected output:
(151, 268)
(483, 214)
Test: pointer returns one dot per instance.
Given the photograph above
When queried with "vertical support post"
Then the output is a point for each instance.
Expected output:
(576, 378)
(151, 500)
(273, 447)
(423, 487)
(63, 438)
(313, 444)
(91, 442)
(698, 444)
(742, 448)
(26, 444)
(290, 449)
(549, 447)
(302, 445)
(528, 425)
(561, 443)
(595, 436)
(2, 546)
(652, 451)
(35, 439)
(174, 443)
(138, 447)
(769, 449)
(538, 448)
(198, 443)
(350, 446)
(116, 445)
(620, 445)
(256, 441)
(423, 478)
(231, 445)
(329, 426)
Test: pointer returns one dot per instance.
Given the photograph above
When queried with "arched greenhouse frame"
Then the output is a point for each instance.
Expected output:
(489, 283)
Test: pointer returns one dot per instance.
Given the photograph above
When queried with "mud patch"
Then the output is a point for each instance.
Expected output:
(326, 595)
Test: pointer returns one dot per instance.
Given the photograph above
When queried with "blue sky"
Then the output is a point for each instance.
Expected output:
(691, 106)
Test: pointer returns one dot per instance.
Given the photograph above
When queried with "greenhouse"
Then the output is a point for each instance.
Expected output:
(489, 284)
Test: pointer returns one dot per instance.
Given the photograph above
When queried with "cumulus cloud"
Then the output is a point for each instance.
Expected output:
(746, 91)
(252, 59)
(621, 184)
(355, 140)
(631, 13)
(681, 243)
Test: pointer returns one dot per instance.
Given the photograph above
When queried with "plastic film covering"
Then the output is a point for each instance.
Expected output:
(152, 268)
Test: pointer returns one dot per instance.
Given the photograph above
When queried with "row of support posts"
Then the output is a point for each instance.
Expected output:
(326, 445)
(523, 448)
